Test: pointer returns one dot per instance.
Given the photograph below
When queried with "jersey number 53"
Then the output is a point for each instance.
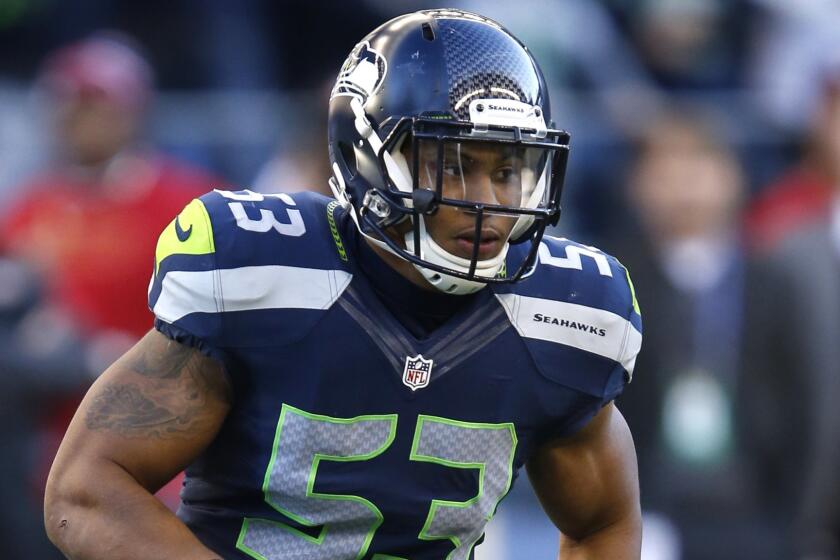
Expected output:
(349, 522)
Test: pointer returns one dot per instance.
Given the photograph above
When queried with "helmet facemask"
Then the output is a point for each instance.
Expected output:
(489, 186)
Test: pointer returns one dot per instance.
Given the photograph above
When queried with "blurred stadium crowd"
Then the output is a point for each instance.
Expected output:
(706, 156)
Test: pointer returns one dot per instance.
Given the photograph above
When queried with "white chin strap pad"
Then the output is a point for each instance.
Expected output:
(433, 253)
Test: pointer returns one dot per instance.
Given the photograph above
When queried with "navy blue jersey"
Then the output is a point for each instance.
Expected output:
(349, 436)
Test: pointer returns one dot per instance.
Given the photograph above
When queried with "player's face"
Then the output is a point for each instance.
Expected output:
(482, 173)
(93, 129)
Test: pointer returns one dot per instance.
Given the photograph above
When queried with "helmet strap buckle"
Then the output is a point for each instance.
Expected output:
(376, 205)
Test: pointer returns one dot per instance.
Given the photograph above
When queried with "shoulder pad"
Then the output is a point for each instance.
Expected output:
(244, 251)
(253, 229)
(577, 312)
(581, 274)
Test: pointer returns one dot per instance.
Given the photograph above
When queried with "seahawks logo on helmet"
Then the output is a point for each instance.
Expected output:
(362, 73)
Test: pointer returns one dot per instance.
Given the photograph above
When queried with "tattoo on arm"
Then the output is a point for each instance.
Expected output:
(167, 393)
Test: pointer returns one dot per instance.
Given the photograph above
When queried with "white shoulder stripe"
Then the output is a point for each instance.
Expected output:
(594, 330)
(248, 288)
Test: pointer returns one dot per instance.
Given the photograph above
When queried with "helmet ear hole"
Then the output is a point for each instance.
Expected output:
(428, 32)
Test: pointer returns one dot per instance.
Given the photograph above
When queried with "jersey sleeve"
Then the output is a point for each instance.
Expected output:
(185, 293)
(632, 339)
(624, 349)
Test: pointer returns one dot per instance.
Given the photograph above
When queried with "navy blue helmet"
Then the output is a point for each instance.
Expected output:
(412, 104)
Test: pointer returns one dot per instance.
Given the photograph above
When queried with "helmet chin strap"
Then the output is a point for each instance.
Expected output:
(433, 253)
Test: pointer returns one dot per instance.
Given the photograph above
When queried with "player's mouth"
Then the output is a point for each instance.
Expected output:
(489, 244)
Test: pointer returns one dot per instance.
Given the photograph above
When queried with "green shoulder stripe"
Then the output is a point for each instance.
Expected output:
(339, 246)
(632, 292)
(190, 233)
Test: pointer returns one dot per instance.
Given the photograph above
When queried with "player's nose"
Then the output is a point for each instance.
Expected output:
(479, 188)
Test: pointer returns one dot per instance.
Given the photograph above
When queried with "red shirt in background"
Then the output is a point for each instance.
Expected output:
(800, 197)
(94, 244)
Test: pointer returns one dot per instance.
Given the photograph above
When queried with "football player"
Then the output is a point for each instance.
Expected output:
(365, 377)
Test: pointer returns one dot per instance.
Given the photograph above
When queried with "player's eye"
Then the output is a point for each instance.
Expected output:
(506, 174)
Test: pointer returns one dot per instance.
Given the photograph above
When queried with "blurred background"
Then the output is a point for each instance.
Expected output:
(706, 156)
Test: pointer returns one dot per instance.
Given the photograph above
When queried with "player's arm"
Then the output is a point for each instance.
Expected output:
(147, 417)
(588, 484)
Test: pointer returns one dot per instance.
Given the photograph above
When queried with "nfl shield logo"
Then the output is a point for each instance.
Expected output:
(417, 372)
